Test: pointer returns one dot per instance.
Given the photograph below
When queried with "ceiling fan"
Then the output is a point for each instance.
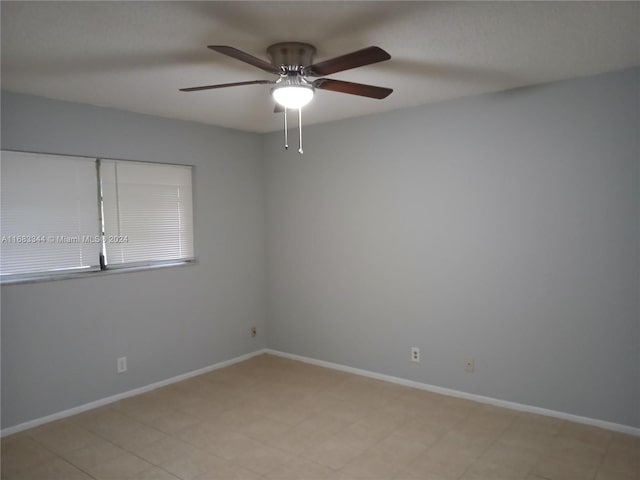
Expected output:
(292, 62)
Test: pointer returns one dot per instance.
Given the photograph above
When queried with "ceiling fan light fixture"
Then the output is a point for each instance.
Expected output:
(293, 96)
(293, 62)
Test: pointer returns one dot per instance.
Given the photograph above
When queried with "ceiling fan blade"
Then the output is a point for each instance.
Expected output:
(245, 57)
(363, 57)
(351, 88)
(224, 85)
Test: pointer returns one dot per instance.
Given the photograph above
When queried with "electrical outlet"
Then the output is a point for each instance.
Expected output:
(254, 331)
(122, 364)
(469, 365)
(415, 354)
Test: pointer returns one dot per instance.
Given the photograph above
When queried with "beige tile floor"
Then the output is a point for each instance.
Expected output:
(273, 418)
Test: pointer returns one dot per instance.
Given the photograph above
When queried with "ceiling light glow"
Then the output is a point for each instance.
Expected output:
(293, 96)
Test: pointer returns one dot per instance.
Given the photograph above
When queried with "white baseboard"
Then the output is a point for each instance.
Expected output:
(335, 366)
(616, 427)
(130, 393)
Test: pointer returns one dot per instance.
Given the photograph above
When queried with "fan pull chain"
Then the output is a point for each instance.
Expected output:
(300, 130)
(286, 133)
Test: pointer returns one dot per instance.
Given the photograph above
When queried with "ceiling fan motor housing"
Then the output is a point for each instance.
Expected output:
(291, 55)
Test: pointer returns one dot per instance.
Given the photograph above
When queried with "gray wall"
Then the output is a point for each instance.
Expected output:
(60, 339)
(502, 227)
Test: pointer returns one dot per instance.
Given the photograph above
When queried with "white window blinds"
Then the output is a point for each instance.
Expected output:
(49, 214)
(147, 212)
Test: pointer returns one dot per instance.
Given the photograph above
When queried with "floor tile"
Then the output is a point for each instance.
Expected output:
(231, 445)
(338, 450)
(192, 464)
(262, 459)
(272, 418)
(445, 462)
(385, 459)
(623, 459)
(407, 475)
(155, 473)
(264, 429)
(162, 450)
(502, 463)
(64, 438)
(593, 436)
(90, 457)
(143, 407)
(572, 450)
(20, 451)
(230, 473)
(609, 475)
(551, 469)
(56, 469)
(300, 469)
(421, 432)
(173, 422)
(122, 467)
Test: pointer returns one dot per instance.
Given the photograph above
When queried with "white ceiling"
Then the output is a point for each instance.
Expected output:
(136, 55)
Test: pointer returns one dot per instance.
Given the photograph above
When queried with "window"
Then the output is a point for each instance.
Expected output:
(62, 214)
(47, 204)
(147, 212)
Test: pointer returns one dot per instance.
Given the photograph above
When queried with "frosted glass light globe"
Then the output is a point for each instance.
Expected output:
(293, 96)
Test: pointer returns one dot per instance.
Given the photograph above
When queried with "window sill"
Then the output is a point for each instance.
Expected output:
(95, 273)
